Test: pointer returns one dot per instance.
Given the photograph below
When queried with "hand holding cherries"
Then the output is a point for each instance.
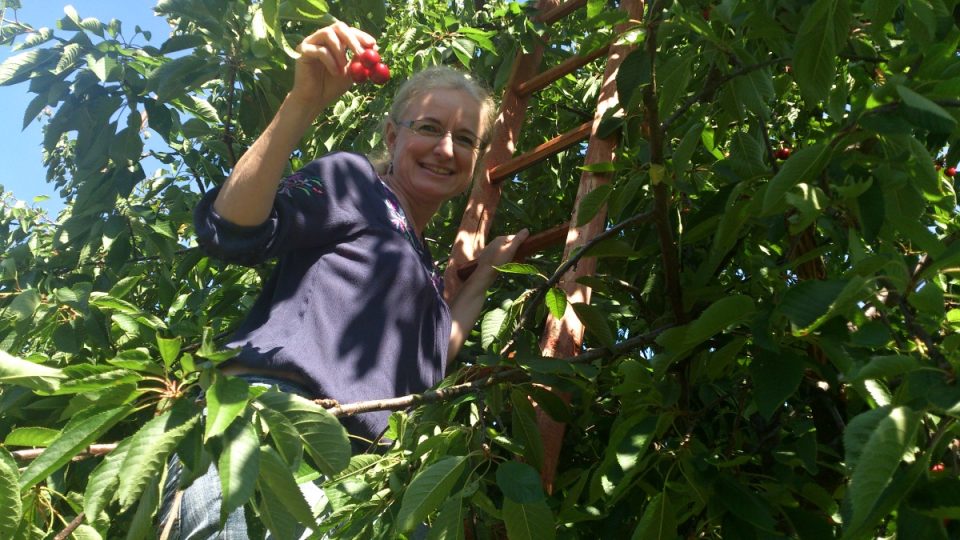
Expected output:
(367, 65)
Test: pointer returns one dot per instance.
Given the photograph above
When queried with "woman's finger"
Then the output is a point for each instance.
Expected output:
(310, 53)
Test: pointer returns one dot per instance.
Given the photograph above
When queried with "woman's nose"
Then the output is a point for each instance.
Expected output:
(444, 145)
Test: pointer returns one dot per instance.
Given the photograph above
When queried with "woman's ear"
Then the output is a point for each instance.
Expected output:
(390, 136)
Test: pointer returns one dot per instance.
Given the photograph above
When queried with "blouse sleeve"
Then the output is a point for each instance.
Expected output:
(308, 211)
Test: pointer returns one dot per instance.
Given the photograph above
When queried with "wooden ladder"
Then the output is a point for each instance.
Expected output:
(562, 337)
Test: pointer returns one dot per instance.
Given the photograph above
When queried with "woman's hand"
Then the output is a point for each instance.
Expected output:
(498, 252)
(465, 308)
(321, 71)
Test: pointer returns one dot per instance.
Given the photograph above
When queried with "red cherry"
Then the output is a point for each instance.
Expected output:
(939, 467)
(370, 58)
(706, 13)
(380, 73)
(950, 171)
(358, 72)
(782, 153)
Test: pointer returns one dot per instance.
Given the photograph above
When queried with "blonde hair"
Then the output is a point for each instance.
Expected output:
(439, 78)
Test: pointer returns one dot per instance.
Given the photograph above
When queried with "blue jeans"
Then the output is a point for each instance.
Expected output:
(198, 515)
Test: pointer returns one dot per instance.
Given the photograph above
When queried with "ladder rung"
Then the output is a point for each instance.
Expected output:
(533, 244)
(553, 15)
(557, 144)
(566, 67)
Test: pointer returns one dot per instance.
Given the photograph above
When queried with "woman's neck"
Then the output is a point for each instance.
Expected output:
(418, 214)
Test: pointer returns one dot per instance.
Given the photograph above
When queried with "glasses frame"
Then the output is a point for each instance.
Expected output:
(477, 145)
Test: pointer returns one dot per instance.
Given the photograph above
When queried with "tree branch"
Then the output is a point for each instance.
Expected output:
(72, 526)
(661, 193)
(510, 374)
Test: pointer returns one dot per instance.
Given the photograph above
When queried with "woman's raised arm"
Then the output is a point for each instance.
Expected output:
(321, 77)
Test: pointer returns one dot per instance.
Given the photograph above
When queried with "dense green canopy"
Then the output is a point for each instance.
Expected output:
(772, 338)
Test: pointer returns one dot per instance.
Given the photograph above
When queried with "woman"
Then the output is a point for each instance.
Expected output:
(354, 309)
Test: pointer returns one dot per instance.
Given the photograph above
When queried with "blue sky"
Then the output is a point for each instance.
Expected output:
(22, 172)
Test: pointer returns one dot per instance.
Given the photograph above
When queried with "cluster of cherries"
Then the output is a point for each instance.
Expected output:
(782, 153)
(367, 66)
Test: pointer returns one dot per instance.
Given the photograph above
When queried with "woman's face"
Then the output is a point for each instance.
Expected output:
(430, 145)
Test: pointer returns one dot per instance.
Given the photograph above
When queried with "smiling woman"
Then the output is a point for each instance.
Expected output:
(355, 308)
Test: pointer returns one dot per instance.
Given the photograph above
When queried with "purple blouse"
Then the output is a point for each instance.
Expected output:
(355, 304)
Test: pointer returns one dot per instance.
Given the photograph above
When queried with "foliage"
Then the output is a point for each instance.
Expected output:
(772, 353)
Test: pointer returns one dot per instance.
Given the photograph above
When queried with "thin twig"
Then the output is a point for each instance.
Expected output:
(68, 530)
(228, 121)
(712, 87)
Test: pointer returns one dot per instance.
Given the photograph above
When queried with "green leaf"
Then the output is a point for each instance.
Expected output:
(169, 349)
(210, 351)
(525, 429)
(556, 301)
(821, 34)
(903, 480)
(939, 498)
(803, 166)
(530, 521)
(31, 436)
(518, 268)
(276, 481)
(752, 92)
(226, 400)
(596, 322)
(629, 440)
(9, 495)
(722, 314)
(21, 372)
(80, 432)
(925, 113)
(25, 304)
(103, 481)
(142, 521)
(150, 447)
(633, 74)
(428, 489)
(890, 439)
(323, 437)
(520, 482)
(285, 436)
(591, 204)
(809, 304)
(238, 465)
(182, 43)
(658, 520)
(491, 326)
(775, 378)
(883, 367)
(449, 524)
(18, 68)
(673, 78)
(743, 503)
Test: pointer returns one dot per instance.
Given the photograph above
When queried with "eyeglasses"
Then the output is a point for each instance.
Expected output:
(432, 130)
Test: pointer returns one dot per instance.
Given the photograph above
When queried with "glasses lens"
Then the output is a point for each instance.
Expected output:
(427, 128)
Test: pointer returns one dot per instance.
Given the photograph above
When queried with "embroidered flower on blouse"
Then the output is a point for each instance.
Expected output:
(310, 185)
(397, 217)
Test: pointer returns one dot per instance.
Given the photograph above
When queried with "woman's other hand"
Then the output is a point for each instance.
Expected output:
(321, 71)
(500, 251)
(465, 308)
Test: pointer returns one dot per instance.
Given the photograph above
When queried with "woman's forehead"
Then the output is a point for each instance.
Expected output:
(445, 104)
